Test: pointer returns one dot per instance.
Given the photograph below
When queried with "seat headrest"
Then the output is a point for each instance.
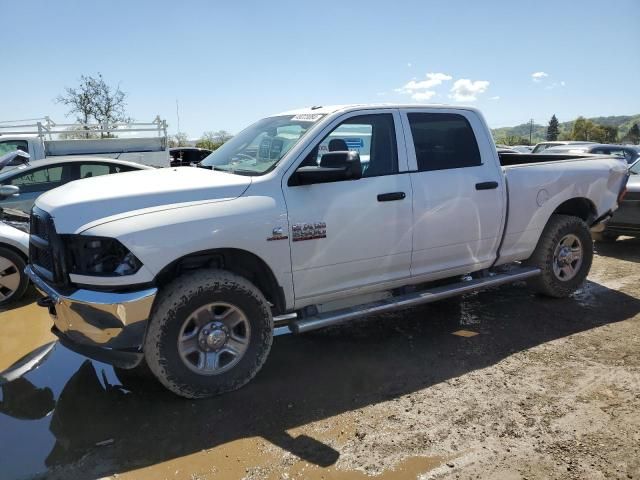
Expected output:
(338, 145)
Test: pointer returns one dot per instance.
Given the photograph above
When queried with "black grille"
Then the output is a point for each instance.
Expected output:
(38, 225)
(46, 252)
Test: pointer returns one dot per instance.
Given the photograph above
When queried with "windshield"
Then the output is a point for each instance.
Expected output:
(258, 148)
(635, 168)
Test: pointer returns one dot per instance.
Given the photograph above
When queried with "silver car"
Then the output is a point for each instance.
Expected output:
(19, 188)
(41, 176)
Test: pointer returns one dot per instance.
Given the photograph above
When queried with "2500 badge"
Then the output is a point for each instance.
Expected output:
(308, 231)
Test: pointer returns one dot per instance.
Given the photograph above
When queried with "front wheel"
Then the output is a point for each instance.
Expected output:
(13, 280)
(563, 254)
(210, 333)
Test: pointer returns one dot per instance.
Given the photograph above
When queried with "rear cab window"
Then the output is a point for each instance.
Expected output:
(443, 141)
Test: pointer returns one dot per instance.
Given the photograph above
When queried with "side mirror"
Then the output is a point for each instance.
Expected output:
(334, 167)
(9, 191)
(17, 157)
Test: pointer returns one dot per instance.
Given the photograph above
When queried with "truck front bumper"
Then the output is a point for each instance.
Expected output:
(109, 327)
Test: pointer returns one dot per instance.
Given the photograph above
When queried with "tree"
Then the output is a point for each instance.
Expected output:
(553, 130)
(74, 133)
(93, 99)
(180, 139)
(513, 140)
(220, 136)
(213, 140)
(633, 136)
(609, 134)
(583, 129)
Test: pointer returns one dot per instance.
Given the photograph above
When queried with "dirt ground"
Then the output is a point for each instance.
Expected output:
(500, 384)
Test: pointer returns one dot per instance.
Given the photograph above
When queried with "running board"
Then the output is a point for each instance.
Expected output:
(344, 315)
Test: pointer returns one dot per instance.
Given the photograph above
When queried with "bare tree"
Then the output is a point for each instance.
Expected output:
(180, 139)
(93, 99)
(220, 136)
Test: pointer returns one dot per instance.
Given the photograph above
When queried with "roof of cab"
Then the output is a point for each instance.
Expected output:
(329, 109)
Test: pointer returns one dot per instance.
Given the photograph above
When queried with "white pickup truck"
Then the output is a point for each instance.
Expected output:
(192, 271)
(144, 143)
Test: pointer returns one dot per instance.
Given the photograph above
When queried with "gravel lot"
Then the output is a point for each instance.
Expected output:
(500, 384)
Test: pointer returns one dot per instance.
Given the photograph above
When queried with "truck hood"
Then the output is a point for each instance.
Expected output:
(86, 203)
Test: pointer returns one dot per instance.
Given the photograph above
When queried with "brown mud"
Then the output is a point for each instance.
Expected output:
(499, 384)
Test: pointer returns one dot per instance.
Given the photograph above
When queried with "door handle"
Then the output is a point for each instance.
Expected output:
(486, 185)
(390, 197)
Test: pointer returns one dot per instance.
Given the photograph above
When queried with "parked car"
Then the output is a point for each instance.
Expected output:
(522, 148)
(35, 178)
(542, 146)
(184, 271)
(187, 156)
(629, 152)
(626, 220)
(14, 252)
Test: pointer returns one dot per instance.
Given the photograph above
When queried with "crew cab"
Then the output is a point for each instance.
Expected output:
(190, 272)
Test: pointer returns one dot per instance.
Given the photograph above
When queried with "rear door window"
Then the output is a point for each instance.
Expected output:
(443, 141)
(88, 170)
(40, 179)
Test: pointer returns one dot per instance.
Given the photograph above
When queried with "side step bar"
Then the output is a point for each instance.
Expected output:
(344, 315)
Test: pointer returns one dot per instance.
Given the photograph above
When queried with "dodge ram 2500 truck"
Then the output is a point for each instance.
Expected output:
(306, 219)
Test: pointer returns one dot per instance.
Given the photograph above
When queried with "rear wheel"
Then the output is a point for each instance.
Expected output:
(13, 281)
(210, 333)
(563, 254)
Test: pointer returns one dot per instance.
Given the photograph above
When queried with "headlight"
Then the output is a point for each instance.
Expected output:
(99, 256)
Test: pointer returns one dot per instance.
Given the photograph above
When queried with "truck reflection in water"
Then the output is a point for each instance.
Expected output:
(83, 415)
(21, 399)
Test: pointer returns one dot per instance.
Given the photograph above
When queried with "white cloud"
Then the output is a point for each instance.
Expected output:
(423, 96)
(409, 64)
(433, 80)
(539, 76)
(497, 97)
(465, 90)
(555, 85)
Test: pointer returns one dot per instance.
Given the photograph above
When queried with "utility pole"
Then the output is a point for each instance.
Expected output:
(530, 130)
(178, 115)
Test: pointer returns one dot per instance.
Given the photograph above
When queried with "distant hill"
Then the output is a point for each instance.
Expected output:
(623, 122)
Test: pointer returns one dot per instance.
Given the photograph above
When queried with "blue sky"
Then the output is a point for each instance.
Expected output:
(229, 63)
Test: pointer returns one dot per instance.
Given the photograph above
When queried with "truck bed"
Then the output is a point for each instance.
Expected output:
(510, 159)
(538, 184)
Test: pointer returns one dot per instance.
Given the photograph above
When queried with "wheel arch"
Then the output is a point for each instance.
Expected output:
(15, 250)
(238, 261)
(580, 207)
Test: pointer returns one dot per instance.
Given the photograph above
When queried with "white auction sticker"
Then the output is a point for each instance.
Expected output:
(307, 117)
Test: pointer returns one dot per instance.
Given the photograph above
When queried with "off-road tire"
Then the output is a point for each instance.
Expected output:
(20, 264)
(604, 237)
(176, 301)
(547, 283)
